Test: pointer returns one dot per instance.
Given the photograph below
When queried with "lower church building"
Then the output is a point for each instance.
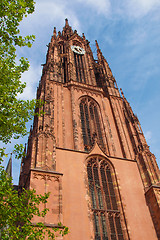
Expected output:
(88, 149)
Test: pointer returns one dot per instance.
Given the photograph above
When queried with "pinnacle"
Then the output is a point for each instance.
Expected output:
(67, 30)
(99, 53)
(83, 36)
(54, 30)
(66, 22)
(97, 44)
(122, 93)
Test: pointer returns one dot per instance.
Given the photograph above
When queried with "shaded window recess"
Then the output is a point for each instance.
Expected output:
(64, 68)
(106, 215)
(91, 124)
(79, 66)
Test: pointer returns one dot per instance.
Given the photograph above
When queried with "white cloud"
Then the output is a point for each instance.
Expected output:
(132, 9)
(50, 13)
(101, 6)
(139, 8)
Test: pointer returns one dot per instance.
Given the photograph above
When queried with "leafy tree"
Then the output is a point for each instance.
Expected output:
(14, 113)
(16, 209)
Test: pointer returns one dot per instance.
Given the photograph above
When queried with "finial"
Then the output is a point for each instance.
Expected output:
(54, 32)
(66, 22)
(83, 36)
(75, 31)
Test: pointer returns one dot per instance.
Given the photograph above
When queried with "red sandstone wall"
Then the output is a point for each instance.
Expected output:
(66, 112)
(76, 214)
(44, 182)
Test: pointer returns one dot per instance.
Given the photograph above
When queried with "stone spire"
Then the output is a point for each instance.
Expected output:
(99, 53)
(103, 61)
(67, 30)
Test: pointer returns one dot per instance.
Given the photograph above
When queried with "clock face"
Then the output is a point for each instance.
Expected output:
(78, 50)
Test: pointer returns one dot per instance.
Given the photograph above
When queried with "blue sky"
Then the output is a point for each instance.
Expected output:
(128, 33)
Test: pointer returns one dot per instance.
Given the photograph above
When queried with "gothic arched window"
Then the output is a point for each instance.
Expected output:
(80, 66)
(64, 69)
(106, 215)
(91, 123)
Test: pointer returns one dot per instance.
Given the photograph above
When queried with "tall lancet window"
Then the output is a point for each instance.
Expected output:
(64, 67)
(79, 65)
(91, 123)
(79, 61)
(106, 215)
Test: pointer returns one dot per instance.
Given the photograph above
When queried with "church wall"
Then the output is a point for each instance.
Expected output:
(68, 124)
(128, 146)
(66, 114)
(75, 198)
(58, 114)
(117, 151)
(48, 182)
(74, 194)
(137, 213)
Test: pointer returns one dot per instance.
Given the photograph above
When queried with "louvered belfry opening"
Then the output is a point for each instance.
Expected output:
(79, 65)
(91, 123)
(106, 215)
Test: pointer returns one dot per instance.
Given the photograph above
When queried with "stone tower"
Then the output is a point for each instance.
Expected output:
(88, 149)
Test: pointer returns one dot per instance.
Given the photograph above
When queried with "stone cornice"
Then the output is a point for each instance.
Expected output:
(83, 86)
(87, 153)
(45, 171)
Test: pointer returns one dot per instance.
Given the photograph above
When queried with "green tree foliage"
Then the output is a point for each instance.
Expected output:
(14, 113)
(17, 211)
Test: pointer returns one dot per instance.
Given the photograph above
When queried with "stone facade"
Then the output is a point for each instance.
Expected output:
(88, 124)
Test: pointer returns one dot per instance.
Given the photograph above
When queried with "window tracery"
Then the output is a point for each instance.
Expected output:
(106, 215)
(91, 123)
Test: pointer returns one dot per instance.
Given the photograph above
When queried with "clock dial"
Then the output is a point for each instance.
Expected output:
(78, 50)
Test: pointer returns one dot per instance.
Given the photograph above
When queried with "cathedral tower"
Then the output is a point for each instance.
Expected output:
(88, 149)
